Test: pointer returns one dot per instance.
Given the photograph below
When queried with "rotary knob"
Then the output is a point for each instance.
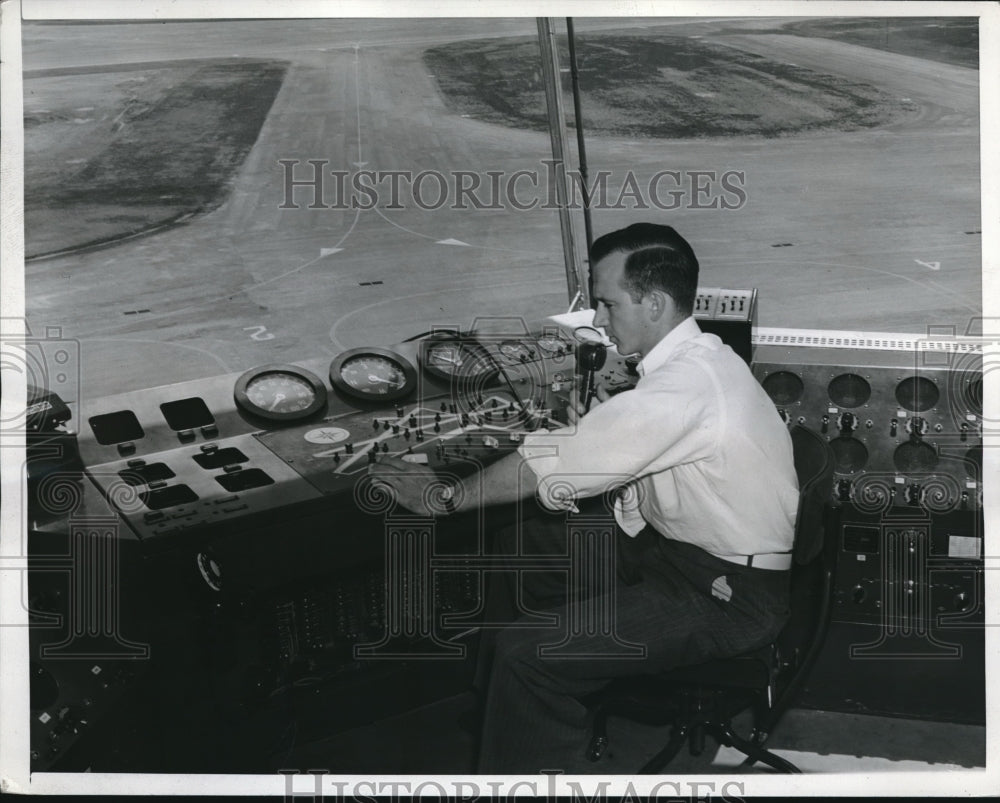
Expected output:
(848, 422)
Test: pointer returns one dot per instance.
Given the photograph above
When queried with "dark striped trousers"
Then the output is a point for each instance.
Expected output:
(667, 604)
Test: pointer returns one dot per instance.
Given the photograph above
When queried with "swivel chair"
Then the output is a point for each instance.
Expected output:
(704, 699)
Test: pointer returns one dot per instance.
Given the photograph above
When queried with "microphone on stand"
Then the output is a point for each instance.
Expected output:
(590, 357)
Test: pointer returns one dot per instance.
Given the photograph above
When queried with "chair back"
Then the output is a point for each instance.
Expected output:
(814, 463)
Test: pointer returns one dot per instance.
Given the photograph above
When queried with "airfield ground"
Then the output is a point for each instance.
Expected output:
(860, 169)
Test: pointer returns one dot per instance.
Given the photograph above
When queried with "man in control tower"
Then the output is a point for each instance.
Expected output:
(704, 515)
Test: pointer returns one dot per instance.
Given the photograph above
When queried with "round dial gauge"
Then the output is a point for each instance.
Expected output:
(464, 359)
(280, 392)
(553, 344)
(373, 374)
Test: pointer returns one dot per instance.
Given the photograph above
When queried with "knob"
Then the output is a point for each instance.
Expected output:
(964, 431)
(844, 490)
(917, 426)
(912, 494)
(847, 422)
(784, 416)
(824, 423)
(893, 426)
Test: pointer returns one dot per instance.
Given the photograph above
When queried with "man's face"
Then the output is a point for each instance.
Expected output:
(625, 321)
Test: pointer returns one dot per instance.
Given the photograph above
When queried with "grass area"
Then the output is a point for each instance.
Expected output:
(951, 40)
(658, 86)
(147, 149)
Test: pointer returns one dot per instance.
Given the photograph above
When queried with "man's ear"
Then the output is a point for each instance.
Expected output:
(658, 303)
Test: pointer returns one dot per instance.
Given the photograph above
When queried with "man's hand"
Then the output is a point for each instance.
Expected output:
(415, 487)
(575, 408)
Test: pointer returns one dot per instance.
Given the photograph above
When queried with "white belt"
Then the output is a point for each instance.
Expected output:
(776, 561)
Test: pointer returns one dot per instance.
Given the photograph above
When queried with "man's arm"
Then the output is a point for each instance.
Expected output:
(500, 482)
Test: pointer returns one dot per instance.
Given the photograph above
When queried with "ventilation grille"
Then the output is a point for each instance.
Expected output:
(876, 341)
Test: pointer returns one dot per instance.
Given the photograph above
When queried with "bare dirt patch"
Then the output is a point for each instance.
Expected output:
(114, 154)
(659, 86)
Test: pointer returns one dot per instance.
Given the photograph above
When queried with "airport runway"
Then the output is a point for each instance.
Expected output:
(867, 230)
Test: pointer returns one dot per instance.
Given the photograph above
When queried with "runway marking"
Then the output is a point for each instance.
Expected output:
(453, 242)
(340, 321)
(325, 252)
(931, 265)
(260, 333)
(401, 227)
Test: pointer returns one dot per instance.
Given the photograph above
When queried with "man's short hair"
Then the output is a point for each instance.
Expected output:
(658, 259)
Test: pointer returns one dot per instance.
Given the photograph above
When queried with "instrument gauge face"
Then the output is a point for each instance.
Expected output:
(373, 374)
(554, 344)
(280, 392)
(454, 358)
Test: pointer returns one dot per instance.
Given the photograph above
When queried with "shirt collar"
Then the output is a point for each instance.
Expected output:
(661, 352)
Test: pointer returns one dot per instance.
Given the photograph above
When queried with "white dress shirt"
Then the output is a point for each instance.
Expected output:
(703, 454)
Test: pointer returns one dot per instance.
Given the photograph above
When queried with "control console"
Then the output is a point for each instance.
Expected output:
(213, 454)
